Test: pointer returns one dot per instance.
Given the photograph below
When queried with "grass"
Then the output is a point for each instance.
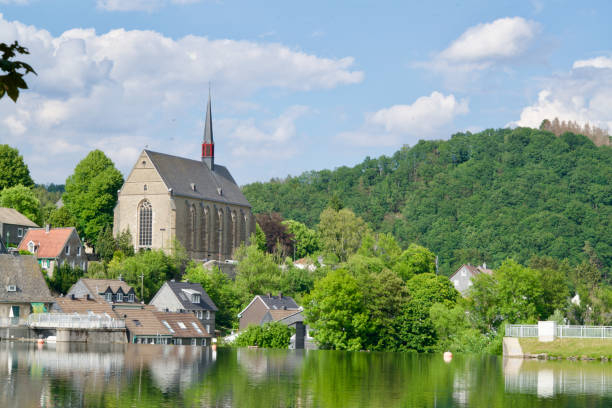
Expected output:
(593, 348)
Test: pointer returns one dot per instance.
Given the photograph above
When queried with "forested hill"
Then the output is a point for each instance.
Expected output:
(476, 197)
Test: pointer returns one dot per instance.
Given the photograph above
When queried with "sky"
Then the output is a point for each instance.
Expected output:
(296, 86)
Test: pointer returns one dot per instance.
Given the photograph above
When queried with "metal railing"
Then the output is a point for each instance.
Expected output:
(562, 331)
(521, 330)
(74, 321)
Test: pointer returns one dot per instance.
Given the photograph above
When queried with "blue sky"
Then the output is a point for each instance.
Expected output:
(296, 85)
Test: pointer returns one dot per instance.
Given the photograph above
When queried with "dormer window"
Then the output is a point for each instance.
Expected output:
(11, 288)
(109, 297)
(195, 298)
(31, 247)
(131, 298)
(193, 186)
(119, 297)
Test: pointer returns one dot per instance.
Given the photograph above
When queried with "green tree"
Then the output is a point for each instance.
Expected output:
(13, 170)
(22, 199)
(125, 243)
(106, 244)
(269, 335)
(306, 241)
(415, 260)
(12, 81)
(336, 312)
(60, 217)
(256, 272)
(91, 194)
(259, 238)
(63, 278)
(341, 232)
(221, 290)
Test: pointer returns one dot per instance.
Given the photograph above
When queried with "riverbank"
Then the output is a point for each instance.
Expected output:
(597, 349)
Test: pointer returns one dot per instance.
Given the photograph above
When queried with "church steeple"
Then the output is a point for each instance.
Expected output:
(208, 147)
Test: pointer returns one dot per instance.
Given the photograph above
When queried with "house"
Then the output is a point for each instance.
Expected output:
(13, 226)
(196, 202)
(113, 291)
(23, 289)
(462, 278)
(55, 247)
(186, 297)
(186, 328)
(305, 263)
(268, 308)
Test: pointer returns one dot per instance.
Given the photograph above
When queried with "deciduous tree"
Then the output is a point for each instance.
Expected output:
(22, 199)
(13, 170)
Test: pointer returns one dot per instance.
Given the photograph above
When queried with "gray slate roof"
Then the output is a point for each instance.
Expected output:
(14, 217)
(179, 174)
(206, 302)
(22, 271)
(279, 302)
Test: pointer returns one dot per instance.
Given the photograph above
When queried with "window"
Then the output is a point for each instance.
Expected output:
(208, 314)
(136, 322)
(196, 327)
(145, 226)
(109, 297)
(67, 250)
(49, 263)
(131, 298)
(195, 298)
(119, 297)
(19, 232)
(145, 188)
(194, 342)
(208, 328)
(170, 329)
(181, 325)
(78, 251)
(31, 246)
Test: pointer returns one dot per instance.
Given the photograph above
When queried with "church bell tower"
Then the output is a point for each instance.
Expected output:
(208, 147)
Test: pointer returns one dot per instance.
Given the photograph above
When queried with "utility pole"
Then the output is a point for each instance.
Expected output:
(142, 286)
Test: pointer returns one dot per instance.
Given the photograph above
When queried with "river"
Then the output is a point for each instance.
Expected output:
(74, 375)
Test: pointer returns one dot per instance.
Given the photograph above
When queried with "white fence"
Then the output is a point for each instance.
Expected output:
(562, 331)
(74, 321)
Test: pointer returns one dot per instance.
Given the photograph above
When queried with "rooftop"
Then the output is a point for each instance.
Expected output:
(49, 244)
(21, 280)
(12, 216)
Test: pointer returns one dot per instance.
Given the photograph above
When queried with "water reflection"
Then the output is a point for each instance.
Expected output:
(176, 376)
(547, 379)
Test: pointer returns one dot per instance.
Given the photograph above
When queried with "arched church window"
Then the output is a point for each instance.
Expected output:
(220, 224)
(204, 223)
(145, 224)
(192, 227)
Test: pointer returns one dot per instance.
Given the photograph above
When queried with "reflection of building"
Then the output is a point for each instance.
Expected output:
(23, 289)
(55, 247)
(265, 363)
(462, 278)
(196, 202)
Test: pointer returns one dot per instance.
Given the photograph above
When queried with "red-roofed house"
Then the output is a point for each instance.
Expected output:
(55, 247)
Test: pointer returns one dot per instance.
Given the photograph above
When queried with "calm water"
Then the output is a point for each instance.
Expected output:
(65, 375)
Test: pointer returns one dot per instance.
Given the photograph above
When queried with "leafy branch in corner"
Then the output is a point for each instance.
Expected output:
(12, 81)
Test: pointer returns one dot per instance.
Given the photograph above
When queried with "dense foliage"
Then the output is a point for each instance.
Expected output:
(269, 335)
(91, 194)
(13, 170)
(22, 199)
(63, 278)
(488, 196)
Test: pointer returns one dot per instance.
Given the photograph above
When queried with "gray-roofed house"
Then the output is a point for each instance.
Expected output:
(266, 308)
(196, 202)
(23, 289)
(13, 226)
(114, 291)
(186, 297)
(462, 278)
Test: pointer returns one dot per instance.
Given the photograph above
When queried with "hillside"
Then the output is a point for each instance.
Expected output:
(474, 198)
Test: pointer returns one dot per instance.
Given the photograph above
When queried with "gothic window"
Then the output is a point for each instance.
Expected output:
(204, 232)
(220, 224)
(145, 224)
(192, 227)
(234, 232)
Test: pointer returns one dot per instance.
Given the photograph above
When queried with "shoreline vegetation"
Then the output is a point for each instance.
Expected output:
(570, 349)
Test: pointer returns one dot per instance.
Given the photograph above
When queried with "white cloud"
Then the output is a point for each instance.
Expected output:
(485, 46)
(19, 2)
(598, 62)
(127, 88)
(274, 138)
(426, 118)
(138, 5)
(583, 95)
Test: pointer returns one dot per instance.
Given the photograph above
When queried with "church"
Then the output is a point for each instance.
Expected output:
(196, 202)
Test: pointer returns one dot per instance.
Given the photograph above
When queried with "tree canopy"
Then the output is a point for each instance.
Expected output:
(22, 199)
(12, 81)
(91, 194)
(13, 170)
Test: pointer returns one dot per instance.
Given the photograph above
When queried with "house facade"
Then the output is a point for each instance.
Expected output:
(266, 308)
(462, 278)
(196, 202)
(23, 289)
(55, 247)
(13, 226)
(186, 297)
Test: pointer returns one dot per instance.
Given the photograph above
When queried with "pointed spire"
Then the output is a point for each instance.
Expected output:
(208, 147)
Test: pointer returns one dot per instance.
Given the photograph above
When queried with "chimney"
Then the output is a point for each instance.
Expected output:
(47, 228)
